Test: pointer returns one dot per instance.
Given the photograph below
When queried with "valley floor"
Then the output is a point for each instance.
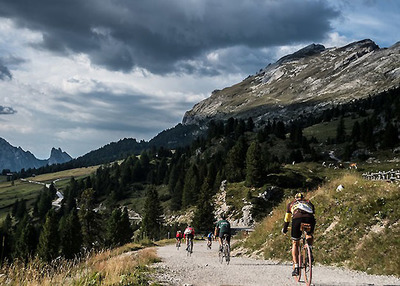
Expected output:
(203, 268)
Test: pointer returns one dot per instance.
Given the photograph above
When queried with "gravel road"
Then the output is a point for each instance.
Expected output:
(203, 268)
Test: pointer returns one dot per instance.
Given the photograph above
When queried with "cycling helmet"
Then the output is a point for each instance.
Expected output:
(223, 216)
(299, 196)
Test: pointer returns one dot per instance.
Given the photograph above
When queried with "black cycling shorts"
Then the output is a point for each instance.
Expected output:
(221, 235)
(296, 232)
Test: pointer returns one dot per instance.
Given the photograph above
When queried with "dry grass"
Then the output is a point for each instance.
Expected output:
(122, 266)
(357, 227)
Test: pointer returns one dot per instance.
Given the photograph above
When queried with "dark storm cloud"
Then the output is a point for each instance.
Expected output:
(162, 35)
(4, 72)
(7, 110)
(120, 112)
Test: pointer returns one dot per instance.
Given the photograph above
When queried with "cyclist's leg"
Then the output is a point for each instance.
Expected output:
(295, 251)
(228, 239)
(310, 239)
(296, 235)
(309, 234)
(220, 242)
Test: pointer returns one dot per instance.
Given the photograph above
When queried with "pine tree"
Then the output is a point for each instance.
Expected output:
(254, 166)
(125, 227)
(27, 240)
(44, 203)
(356, 132)
(250, 124)
(87, 217)
(49, 238)
(71, 236)
(340, 131)
(152, 218)
(119, 230)
(191, 186)
(112, 231)
(280, 130)
(236, 161)
(203, 219)
(390, 136)
(6, 236)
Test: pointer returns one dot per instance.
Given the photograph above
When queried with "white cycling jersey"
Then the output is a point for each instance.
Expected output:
(302, 206)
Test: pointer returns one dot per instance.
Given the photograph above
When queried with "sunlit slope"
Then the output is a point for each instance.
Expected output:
(357, 227)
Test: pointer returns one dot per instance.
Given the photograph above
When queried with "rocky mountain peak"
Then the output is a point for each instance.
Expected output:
(310, 50)
(309, 80)
(15, 158)
(366, 44)
(57, 156)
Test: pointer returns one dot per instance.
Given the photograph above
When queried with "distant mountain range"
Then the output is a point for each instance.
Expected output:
(15, 158)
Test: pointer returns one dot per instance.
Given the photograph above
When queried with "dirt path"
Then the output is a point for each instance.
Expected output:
(203, 268)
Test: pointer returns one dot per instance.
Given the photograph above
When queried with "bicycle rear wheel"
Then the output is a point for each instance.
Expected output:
(307, 265)
(220, 256)
(227, 253)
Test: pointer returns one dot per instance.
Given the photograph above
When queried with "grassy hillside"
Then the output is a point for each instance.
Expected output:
(9, 192)
(357, 227)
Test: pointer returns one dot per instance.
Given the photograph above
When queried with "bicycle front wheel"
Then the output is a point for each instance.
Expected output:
(189, 249)
(300, 257)
(307, 265)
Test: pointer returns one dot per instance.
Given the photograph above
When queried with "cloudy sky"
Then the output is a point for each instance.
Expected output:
(79, 74)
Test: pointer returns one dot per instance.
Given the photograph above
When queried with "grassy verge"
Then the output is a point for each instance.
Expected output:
(357, 227)
(126, 265)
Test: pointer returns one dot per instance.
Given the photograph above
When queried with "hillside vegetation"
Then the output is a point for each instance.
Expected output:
(126, 265)
(357, 227)
(10, 191)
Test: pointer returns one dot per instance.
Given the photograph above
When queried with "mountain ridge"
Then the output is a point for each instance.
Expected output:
(309, 80)
(15, 158)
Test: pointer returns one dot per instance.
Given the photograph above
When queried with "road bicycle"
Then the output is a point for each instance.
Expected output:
(178, 244)
(305, 256)
(189, 248)
(225, 253)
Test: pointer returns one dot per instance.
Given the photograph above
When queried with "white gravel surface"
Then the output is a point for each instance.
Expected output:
(203, 268)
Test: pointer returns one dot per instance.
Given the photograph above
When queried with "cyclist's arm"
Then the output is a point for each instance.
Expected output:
(288, 217)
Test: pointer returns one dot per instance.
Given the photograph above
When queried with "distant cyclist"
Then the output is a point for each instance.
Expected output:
(189, 233)
(179, 236)
(210, 238)
(223, 227)
(302, 211)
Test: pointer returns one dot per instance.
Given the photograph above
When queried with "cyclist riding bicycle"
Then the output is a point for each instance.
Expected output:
(223, 227)
(189, 233)
(178, 236)
(210, 238)
(302, 211)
